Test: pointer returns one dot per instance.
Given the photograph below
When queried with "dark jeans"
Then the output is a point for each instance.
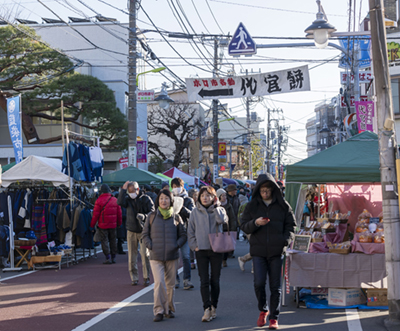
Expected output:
(272, 267)
(185, 253)
(206, 258)
(108, 236)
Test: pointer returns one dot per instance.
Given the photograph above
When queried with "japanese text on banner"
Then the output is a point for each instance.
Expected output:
(14, 126)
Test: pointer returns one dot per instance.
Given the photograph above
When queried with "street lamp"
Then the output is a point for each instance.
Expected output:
(146, 72)
(163, 99)
(320, 29)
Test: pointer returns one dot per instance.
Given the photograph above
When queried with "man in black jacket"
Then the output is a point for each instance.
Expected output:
(270, 221)
(138, 206)
(178, 190)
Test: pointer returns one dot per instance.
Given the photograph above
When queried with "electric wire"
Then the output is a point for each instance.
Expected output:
(208, 5)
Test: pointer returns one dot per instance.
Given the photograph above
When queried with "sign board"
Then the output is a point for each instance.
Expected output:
(301, 243)
(241, 43)
(275, 82)
(365, 115)
(364, 77)
(215, 173)
(393, 51)
(123, 162)
(144, 96)
(363, 45)
(222, 152)
(352, 100)
(14, 126)
(141, 151)
(132, 155)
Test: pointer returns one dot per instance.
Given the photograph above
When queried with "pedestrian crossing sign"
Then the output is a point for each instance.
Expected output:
(242, 43)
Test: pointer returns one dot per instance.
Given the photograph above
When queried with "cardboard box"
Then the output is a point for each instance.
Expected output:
(319, 291)
(346, 297)
(377, 297)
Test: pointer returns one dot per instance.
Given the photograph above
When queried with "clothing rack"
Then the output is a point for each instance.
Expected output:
(68, 133)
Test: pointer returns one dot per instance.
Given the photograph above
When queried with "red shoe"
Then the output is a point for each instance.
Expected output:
(273, 325)
(262, 319)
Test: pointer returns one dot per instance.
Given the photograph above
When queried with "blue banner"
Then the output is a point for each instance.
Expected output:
(364, 46)
(14, 125)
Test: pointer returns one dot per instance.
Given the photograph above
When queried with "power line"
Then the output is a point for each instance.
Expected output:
(208, 5)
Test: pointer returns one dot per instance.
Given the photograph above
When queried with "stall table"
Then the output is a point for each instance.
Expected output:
(336, 270)
(44, 259)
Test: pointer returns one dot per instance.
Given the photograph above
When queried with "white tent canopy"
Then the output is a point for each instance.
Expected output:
(175, 172)
(36, 168)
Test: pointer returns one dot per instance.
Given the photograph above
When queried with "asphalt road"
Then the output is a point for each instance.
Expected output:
(91, 296)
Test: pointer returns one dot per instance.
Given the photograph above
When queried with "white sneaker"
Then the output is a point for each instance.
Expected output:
(213, 312)
(241, 263)
(207, 315)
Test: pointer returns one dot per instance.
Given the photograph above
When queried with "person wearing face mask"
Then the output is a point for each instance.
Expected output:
(232, 225)
(206, 218)
(270, 221)
(163, 234)
(184, 206)
(138, 206)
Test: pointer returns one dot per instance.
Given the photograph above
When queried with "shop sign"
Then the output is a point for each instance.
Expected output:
(123, 162)
(364, 77)
(352, 100)
(365, 115)
(145, 96)
(14, 126)
(393, 51)
(301, 243)
(222, 152)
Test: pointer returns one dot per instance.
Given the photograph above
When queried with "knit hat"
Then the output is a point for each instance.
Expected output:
(220, 192)
(164, 184)
(231, 187)
(105, 188)
(147, 187)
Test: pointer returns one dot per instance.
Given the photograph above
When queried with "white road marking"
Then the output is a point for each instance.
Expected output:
(353, 320)
(15, 276)
(117, 307)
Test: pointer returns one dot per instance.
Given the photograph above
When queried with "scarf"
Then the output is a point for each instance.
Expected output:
(166, 213)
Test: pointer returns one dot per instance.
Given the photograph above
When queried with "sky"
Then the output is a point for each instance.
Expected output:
(277, 22)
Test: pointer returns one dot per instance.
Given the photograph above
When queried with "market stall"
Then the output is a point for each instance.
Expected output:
(325, 254)
(175, 172)
(142, 177)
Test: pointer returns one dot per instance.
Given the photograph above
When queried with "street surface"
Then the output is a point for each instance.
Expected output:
(96, 297)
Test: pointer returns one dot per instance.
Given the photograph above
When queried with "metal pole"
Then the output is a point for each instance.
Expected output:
(215, 114)
(132, 107)
(230, 159)
(279, 150)
(387, 147)
(62, 126)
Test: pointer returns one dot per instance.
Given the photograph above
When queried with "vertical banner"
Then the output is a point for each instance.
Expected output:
(222, 152)
(14, 125)
(194, 146)
(132, 155)
(141, 151)
(365, 115)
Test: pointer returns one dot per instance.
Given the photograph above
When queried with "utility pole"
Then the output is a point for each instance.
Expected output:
(132, 106)
(279, 149)
(215, 115)
(387, 146)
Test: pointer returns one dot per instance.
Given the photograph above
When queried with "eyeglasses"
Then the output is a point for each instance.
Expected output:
(265, 190)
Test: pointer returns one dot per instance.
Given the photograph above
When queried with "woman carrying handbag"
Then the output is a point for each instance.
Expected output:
(207, 218)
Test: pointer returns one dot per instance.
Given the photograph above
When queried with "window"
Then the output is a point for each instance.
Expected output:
(395, 96)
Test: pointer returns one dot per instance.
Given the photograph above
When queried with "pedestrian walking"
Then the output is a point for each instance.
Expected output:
(232, 223)
(206, 218)
(163, 234)
(233, 199)
(138, 206)
(148, 191)
(184, 206)
(107, 215)
(270, 221)
(194, 194)
(245, 258)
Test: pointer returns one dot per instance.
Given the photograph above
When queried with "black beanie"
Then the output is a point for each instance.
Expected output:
(105, 189)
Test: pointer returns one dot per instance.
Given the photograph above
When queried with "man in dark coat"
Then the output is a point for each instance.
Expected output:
(147, 190)
(270, 221)
(138, 206)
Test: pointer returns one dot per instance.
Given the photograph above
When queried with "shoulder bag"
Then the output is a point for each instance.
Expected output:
(222, 242)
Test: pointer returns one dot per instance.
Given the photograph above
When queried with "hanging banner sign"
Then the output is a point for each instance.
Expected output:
(365, 115)
(364, 77)
(123, 162)
(14, 125)
(283, 81)
(143, 96)
(141, 152)
(222, 152)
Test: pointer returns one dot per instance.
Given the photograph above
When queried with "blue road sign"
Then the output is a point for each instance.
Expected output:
(241, 43)
(364, 45)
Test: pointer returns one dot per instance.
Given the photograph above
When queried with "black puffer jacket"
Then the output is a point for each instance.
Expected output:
(142, 204)
(268, 240)
(163, 237)
(232, 218)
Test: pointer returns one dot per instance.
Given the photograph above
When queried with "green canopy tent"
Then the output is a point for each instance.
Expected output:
(7, 166)
(133, 174)
(355, 160)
